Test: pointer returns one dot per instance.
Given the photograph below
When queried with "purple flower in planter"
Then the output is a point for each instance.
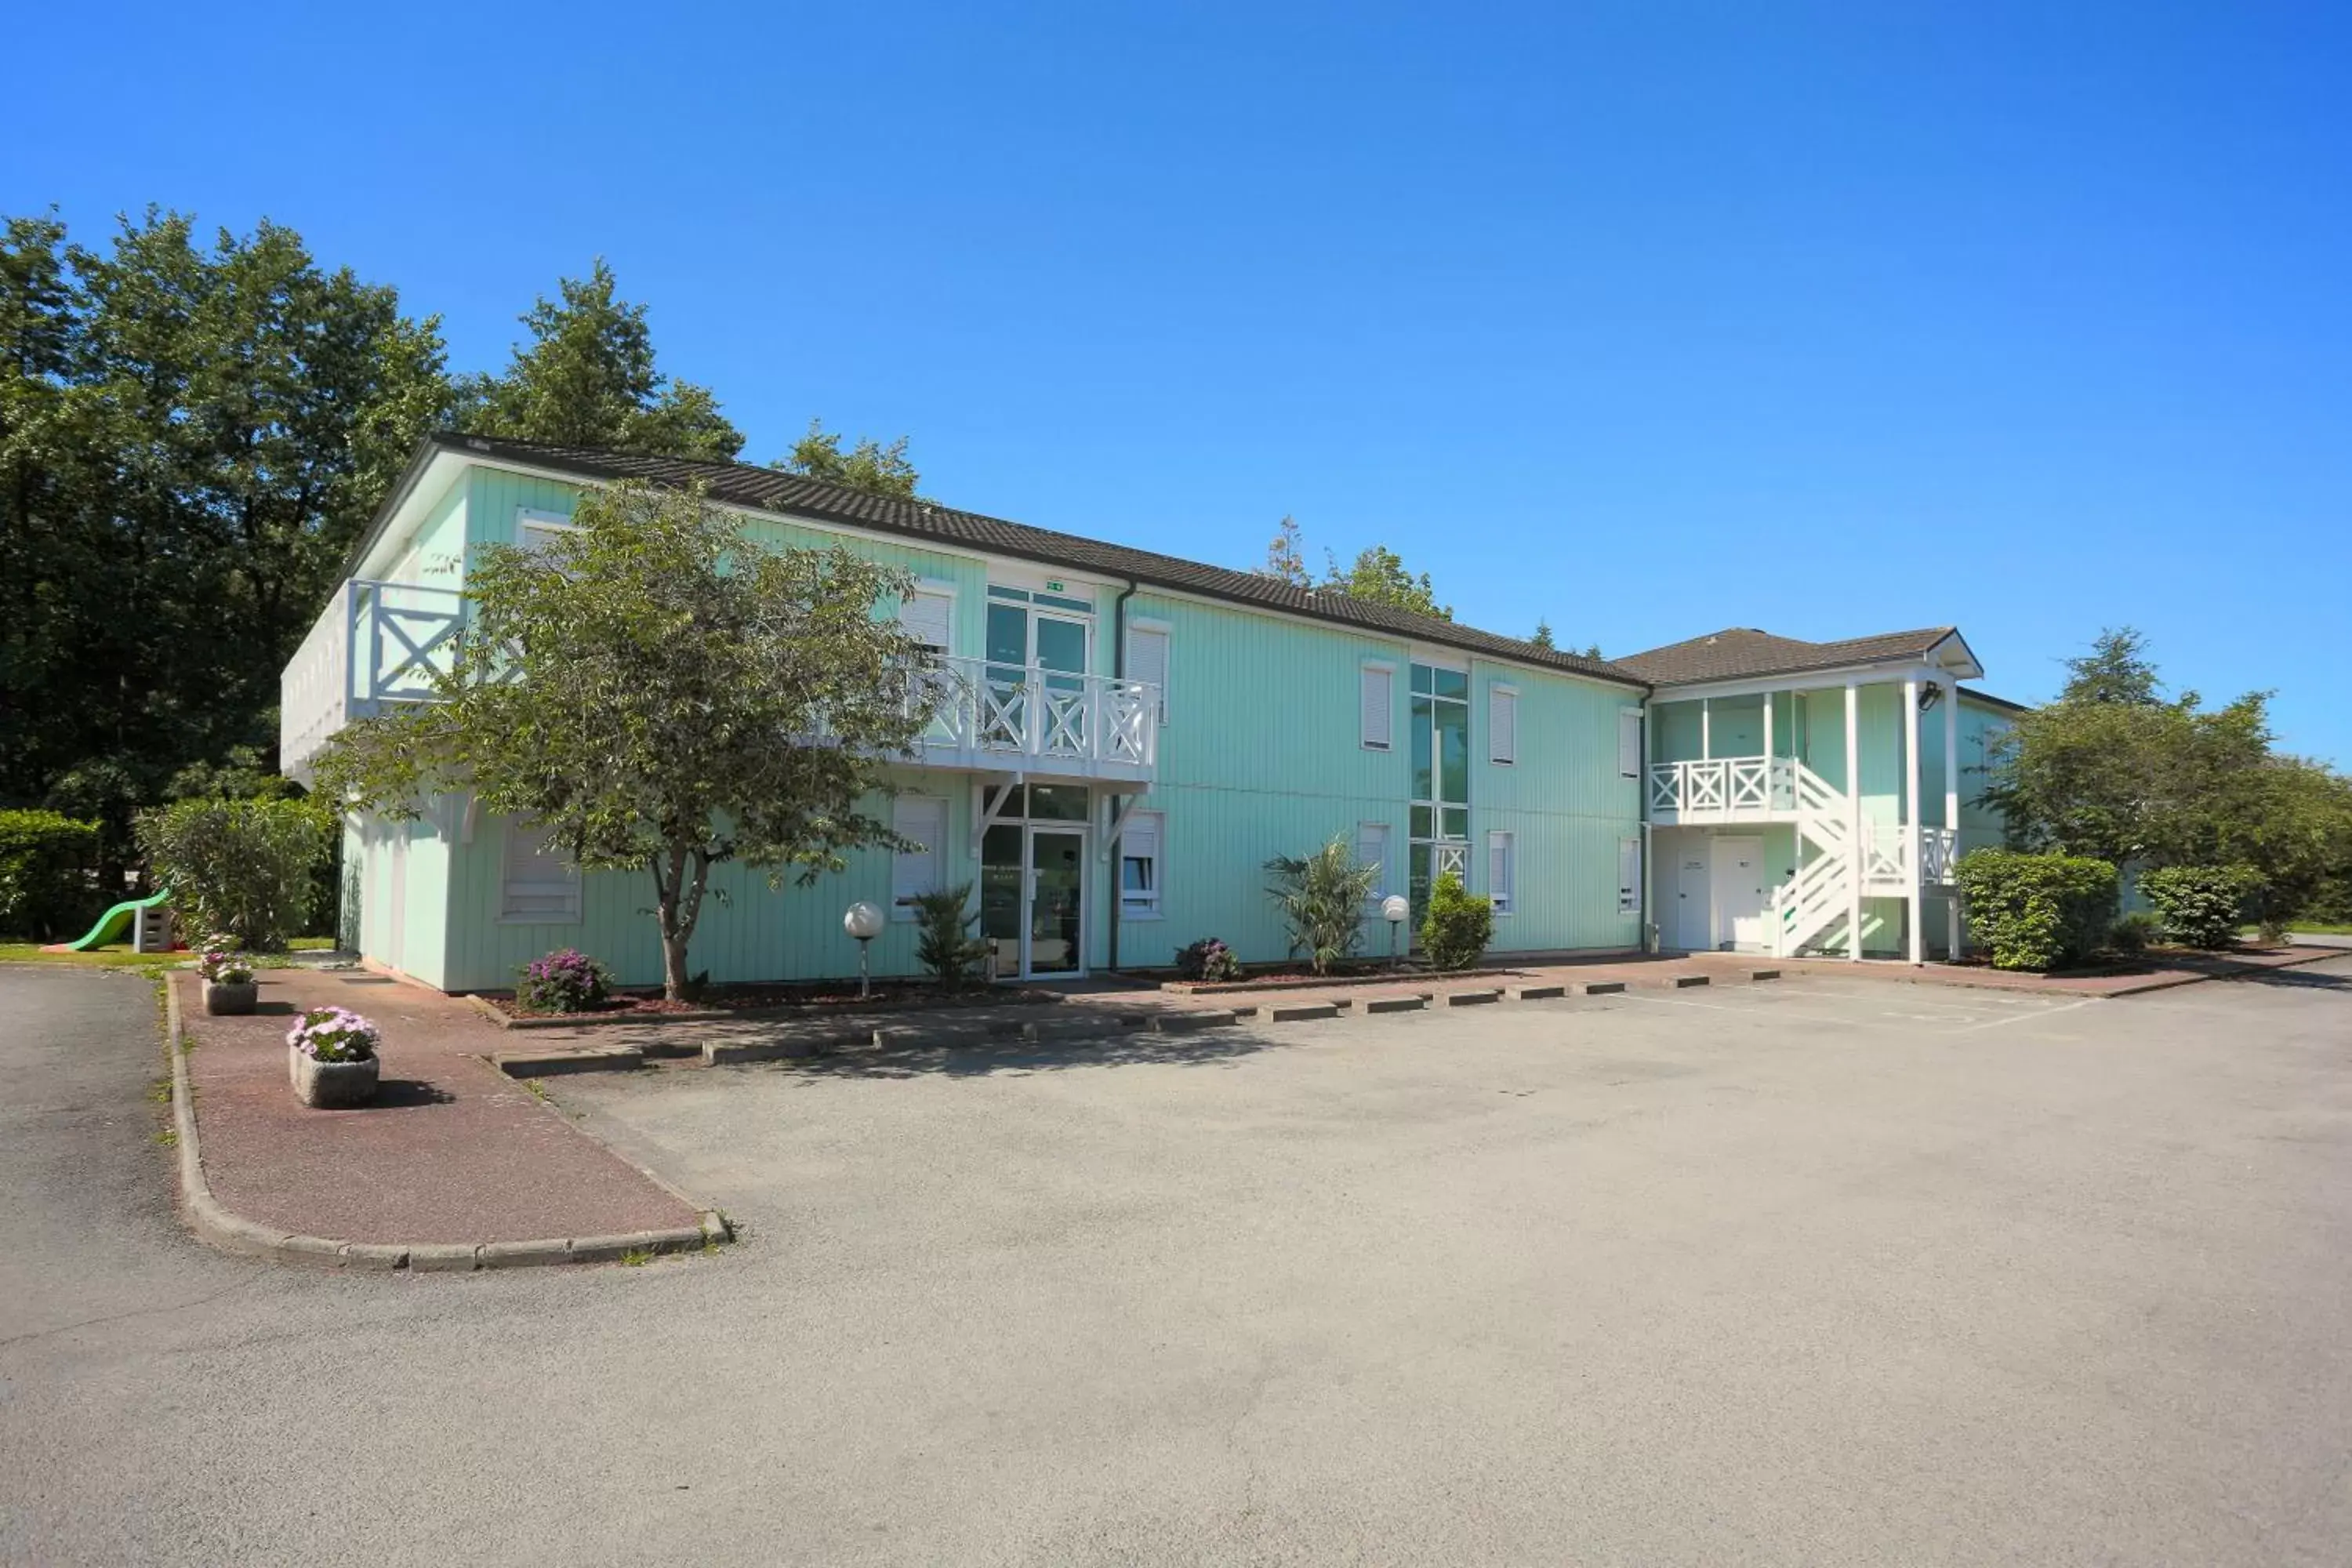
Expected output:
(566, 980)
(334, 1035)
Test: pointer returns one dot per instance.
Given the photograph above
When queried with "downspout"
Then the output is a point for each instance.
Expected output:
(1119, 671)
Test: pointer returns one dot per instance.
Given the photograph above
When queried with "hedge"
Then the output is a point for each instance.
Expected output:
(2200, 906)
(244, 867)
(2037, 911)
(46, 889)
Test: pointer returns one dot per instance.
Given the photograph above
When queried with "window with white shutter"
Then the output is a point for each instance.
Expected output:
(1629, 743)
(922, 818)
(1503, 725)
(1146, 659)
(1372, 849)
(929, 617)
(1628, 875)
(1378, 706)
(1139, 866)
(1502, 871)
(534, 883)
(536, 530)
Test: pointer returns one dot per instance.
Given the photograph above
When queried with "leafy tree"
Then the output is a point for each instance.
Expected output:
(243, 867)
(1378, 574)
(1286, 558)
(2115, 770)
(191, 436)
(1543, 634)
(587, 378)
(660, 692)
(1322, 900)
(869, 465)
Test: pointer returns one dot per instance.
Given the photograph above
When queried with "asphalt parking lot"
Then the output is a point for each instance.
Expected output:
(1826, 1272)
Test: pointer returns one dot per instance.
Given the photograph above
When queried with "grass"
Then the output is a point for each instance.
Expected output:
(636, 1257)
(119, 955)
(2316, 928)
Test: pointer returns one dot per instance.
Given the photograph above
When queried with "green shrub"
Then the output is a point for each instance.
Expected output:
(2135, 932)
(2036, 911)
(2199, 906)
(944, 942)
(1207, 959)
(241, 867)
(46, 890)
(1322, 900)
(566, 980)
(1459, 925)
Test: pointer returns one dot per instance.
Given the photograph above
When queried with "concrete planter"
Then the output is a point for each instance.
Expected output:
(332, 1086)
(222, 997)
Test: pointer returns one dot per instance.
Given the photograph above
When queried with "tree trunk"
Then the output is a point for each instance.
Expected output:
(678, 905)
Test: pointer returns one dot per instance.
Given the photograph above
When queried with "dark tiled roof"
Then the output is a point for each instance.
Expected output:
(770, 490)
(1737, 652)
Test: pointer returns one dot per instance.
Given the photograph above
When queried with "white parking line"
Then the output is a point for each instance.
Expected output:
(2039, 1012)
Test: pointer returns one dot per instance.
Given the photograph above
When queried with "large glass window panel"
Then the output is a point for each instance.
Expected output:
(1001, 878)
(1424, 784)
(1418, 889)
(1062, 645)
(1058, 802)
(1457, 822)
(1453, 751)
(1054, 912)
(1420, 677)
(1008, 635)
(1453, 683)
(1422, 816)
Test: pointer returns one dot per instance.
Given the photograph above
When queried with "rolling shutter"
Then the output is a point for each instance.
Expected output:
(1147, 661)
(535, 883)
(1501, 873)
(924, 819)
(1372, 849)
(1628, 875)
(929, 617)
(1378, 706)
(1629, 743)
(1501, 724)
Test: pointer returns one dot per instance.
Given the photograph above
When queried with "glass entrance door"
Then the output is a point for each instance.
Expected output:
(1032, 899)
(1057, 900)
(1035, 698)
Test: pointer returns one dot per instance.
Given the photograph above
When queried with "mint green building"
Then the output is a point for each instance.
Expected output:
(1116, 763)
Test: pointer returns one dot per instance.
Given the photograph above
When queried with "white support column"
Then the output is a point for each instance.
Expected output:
(1767, 734)
(1952, 807)
(1706, 729)
(1855, 856)
(1915, 906)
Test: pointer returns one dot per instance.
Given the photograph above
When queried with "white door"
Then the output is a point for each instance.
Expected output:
(395, 936)
(1739, 888)
(1694, 920)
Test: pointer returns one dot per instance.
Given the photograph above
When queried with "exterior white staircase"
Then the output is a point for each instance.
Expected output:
(1820, 898)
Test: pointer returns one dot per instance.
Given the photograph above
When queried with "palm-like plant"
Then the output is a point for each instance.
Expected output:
(1322, 900)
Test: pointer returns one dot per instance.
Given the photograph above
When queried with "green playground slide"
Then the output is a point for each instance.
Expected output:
(114, 923)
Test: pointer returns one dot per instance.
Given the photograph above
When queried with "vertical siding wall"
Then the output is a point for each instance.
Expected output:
(1262, 756)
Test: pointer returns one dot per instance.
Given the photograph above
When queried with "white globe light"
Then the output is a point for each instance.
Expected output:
(864, 921)
(1394, 908)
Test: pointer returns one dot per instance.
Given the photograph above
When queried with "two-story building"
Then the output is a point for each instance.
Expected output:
(1129, 737)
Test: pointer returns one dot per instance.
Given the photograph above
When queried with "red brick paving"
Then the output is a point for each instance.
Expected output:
(454, 1151)
(2162, 971)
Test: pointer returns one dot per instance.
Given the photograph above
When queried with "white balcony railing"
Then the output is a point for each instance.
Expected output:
(991, 715)
(380, 642)
(374, 644)
(1939, 851)
(1723, 789)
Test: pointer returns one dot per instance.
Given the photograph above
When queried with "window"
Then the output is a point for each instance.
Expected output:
(1138, 866)
(1502, 872)
(924, 819)
(1503, 725)
(1372, 849)
(535, 530)
(1629, 743)
(1146, 659)
(1628, 875)
(929, 617)
(535, 882)
(1377, 700)
(1439, 821)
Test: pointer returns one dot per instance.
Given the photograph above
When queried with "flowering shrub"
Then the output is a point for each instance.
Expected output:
(567, 980)
(1208, 959)
(333, 1035)
(223, 966)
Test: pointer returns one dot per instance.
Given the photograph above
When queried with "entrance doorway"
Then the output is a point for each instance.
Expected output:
(1037, 672)
(1693, 897)
(1032, 899)
(1737, 886)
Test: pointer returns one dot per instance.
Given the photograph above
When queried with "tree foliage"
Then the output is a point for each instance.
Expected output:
(2037, 911)
(243, 867)
(587, 377)
(869, 465)
(1378, 575)
(2117, 770)
(46, 889)
(1458, 926)
(192, 435)
(1286, 556)
(660, 692)
(945, 941)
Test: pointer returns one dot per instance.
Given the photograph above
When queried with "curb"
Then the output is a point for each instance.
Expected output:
(234, 1233)
(501, 1019)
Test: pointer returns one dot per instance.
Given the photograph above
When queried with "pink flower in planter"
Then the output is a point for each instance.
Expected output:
(334, 1035)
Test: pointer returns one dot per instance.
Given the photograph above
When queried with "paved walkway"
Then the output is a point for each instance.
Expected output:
(453, 1152)
(2162, 971)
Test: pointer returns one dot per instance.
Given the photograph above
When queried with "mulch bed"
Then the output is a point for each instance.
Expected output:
(647, 1004)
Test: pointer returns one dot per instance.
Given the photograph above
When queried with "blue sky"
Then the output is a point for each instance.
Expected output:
(1646, 318)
